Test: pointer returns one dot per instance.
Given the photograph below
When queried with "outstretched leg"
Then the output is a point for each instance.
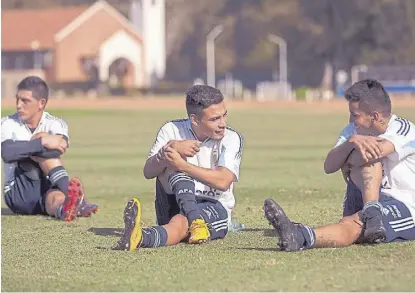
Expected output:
(294, 237)
(134, 236)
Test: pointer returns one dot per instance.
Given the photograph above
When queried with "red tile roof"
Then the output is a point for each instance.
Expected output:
(19, 28)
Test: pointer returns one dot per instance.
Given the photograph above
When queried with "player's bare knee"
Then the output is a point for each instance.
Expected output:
(181, 223)
(374, 167)
(48, 164)
(354, 224)
(169, 171)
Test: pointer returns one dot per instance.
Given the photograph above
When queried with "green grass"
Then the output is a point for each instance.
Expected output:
(283, 159)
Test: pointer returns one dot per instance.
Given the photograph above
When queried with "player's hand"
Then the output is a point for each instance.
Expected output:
(368, 146)
(186, 148)
(54, 142)
(173, 159)
(161, 154)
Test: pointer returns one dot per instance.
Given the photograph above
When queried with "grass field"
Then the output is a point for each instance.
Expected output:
(283, 159)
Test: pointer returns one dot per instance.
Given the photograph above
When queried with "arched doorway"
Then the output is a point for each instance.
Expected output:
(121, 73)
(125, 61)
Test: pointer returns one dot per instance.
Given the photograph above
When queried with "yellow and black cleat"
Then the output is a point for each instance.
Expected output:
(199, 232)
(133, 234)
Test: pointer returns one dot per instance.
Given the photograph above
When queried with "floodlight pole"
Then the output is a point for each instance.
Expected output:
(210, 54)
(282, 44)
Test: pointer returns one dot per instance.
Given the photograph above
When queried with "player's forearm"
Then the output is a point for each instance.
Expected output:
(153, 167)
(355, 159)
(13, 151)
(209, 177)
(337, 157)
(49, 154)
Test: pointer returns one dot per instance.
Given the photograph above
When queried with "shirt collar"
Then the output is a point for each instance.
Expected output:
(42, 119)
(189, 127)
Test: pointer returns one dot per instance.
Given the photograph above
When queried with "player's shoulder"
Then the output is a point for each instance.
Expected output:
(54, 120)
(10, 120)
(176, 123)
(172, 126)
(180, 123)
(349, 130)
(401, 126)
(231, 134)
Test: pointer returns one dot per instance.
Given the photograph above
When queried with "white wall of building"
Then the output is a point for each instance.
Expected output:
(121, 45)
(149, 18)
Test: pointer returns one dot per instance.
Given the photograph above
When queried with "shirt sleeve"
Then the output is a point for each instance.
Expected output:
(401, 134)
(231, 153)
(59, 126)
(5, 129)
(346, 133)
(164, 135)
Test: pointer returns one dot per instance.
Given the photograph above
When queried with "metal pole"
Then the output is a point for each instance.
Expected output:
(210, 54)
(282, 60)
(355, 72)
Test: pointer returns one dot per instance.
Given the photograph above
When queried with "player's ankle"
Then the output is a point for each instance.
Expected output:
(372, 209)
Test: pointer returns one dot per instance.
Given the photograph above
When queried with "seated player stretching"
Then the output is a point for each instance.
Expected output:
(32, 142)
(196, 161)
(376, 153)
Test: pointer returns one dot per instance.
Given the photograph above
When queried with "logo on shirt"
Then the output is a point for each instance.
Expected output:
(211, 192)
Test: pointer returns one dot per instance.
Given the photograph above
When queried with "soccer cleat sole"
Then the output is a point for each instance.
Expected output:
(376, 237)
(132, 231)
(200, 241)
(75, 197)
(282, 224)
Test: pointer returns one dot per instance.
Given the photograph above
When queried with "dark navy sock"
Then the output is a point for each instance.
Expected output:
(183, 187)
(372, 209)
(59, 177)
(307, 235)
(153, 237)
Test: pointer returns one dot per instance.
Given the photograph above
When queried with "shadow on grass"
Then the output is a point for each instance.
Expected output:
(276, 249)
(106, 231)
(267, 232)
(7, 212)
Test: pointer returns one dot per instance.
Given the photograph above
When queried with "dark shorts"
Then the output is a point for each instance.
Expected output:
(213, 212)
(397, 218)
(26, 196)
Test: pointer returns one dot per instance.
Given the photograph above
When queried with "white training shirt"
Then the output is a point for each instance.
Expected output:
(226, 152)
(12, 127)
(399, 167)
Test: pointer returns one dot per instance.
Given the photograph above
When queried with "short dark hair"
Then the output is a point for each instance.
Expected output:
(199, 97)
(36, 85)
(372, 93)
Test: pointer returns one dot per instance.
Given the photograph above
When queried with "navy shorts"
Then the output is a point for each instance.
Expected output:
(397, 218)
(26, 196)
(213, 212)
